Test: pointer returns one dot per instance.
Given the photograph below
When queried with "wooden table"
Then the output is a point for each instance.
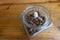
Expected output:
(11, 26)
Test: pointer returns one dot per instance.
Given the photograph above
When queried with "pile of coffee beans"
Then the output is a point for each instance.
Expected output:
(35, 21)
(31, 31)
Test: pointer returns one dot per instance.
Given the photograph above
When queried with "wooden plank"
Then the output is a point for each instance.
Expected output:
(3, 8)
(11, 27)
(23, 1)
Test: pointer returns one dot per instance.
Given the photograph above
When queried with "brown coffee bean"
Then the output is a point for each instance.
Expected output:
(31, 22)
(31, 31)
(36, 20)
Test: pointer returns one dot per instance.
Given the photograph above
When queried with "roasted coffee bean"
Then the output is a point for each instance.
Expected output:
(36, 20)
(31, 15)
(31, 31)
(31, 22)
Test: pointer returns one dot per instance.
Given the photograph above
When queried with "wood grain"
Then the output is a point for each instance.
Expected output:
(24, 1)
(11, 26)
